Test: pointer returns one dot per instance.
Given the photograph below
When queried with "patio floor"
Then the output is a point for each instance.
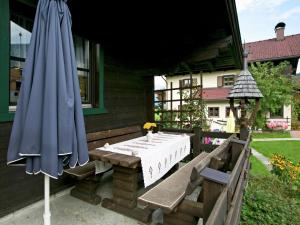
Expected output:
(67, 210)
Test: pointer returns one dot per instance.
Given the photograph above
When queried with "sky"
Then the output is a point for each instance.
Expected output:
(258, 18)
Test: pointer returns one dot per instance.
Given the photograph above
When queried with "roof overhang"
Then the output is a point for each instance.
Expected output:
(158, 38)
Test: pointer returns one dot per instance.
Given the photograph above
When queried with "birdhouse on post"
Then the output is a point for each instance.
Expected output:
(244, 89)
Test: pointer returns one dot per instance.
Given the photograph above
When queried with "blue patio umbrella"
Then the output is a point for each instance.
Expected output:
(48, 130)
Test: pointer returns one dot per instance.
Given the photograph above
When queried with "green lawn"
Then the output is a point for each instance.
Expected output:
(268, 200)
(272, 135)
(257, 168)
(290, 149)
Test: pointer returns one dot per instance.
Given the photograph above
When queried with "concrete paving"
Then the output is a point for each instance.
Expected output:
(67, 210)
(262, 158)
(295, 133)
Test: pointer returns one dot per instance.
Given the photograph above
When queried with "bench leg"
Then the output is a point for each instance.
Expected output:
(187, 213)
(86, 190)
(125, 193)
(178, 218)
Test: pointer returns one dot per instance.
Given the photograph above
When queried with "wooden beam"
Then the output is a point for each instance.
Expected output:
(211, 51)
(191, 208)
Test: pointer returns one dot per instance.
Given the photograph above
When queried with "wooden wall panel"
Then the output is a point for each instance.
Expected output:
(125, 102)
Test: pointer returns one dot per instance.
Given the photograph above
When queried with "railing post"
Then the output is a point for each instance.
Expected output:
(213, 184)
(171, 95)
(197, 140)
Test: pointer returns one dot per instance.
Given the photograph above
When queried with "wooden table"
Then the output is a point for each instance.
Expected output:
(126, 170)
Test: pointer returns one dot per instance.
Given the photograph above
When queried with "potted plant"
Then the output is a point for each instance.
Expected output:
(149, 127)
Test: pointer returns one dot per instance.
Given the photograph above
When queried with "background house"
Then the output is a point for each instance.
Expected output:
(276, 50)
(215, 89)
(216, 84)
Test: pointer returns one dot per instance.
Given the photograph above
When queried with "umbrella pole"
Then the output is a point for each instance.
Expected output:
(47, 213)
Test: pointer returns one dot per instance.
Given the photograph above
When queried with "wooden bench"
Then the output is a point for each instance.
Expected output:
(227, 163)
(127, 174)
(88, 182)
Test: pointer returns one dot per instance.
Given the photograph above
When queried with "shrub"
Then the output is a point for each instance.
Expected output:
(268, 201)
(286, 171)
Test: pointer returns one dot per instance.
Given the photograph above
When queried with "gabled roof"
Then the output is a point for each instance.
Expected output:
(245, 86)
(273, 49)
(213, 94)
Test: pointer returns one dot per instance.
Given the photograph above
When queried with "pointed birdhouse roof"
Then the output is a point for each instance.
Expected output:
(245, 85)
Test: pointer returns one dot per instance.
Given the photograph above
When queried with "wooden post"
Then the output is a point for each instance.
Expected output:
(162, 109)
(211, 192)
(191, 97)
(201, 98)
(197, 140)
(171, 123)
(243, 121)
(180, 97)
(149, 97)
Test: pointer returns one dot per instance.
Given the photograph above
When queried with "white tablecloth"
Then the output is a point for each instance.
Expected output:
(157, 156)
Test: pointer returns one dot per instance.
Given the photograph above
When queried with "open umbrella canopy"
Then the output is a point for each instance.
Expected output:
(48, 130)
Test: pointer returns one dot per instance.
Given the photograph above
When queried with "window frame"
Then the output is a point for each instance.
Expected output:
(274, 116)
(182, 85)
(6, 111)
(236, 108)
(228, 76)
(213, 116)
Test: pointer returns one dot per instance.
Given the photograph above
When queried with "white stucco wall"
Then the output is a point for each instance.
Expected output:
(209, 79)
(222, 112)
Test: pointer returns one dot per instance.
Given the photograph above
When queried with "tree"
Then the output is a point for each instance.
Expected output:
(275, 85)
(296, 102)
(195, 109)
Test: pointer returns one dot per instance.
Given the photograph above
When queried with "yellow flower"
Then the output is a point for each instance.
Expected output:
(149, 125)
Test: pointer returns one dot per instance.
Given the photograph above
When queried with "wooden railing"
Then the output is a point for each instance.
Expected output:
(199, 144)
(227, 206)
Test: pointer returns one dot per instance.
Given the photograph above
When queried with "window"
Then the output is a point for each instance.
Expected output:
(228, 111)
(19, 42)
(226, 81)
(82, 53)
(14, 48)
(213, 111)
(186, 82)
(278, 113)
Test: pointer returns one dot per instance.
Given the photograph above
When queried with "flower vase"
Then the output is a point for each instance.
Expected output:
(149, 135)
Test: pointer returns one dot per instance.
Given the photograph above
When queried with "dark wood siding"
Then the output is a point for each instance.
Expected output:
(126, 99)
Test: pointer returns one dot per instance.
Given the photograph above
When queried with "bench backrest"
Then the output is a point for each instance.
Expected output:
(100, 138)
(199, 143)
